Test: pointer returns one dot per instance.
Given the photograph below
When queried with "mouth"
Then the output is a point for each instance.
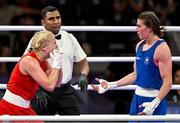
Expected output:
(56, 27)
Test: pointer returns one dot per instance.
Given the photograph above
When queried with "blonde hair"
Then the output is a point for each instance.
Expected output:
(41, 38)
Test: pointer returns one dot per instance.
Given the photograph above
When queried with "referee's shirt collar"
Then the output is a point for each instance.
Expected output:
(58, 36)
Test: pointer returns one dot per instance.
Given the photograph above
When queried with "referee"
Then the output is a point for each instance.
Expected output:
(63, 99)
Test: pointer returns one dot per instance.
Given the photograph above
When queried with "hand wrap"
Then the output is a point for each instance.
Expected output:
(56, 58)
(109, 85)
(149, 107)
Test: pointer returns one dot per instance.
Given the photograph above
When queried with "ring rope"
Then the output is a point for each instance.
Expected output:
(92, 59)
(98, 117)
(96, 59)
(84, 28)
(127, 87)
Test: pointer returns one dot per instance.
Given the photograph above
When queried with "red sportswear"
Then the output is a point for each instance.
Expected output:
(22, 85)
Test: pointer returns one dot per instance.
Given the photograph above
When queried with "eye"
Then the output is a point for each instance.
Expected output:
(58, 17)
(51, 18)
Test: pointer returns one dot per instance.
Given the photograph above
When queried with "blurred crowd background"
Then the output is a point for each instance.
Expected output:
(90, 13)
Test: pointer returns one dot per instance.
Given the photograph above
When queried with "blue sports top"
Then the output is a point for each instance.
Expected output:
(147, 72)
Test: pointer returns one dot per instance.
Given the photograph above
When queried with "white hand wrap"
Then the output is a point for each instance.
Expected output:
(150, 106)
(110, 85)
(56, 58)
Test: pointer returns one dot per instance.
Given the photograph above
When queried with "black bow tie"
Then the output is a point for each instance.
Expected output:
(58, 37)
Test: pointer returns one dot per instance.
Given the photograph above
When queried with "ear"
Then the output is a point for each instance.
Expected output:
(42, 22)
(150, 30)
(43, 48)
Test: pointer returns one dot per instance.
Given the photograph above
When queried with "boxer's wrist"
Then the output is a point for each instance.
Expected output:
(112, 84)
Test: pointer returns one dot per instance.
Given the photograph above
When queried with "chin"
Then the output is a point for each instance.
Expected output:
(56, 30)
(140, 38)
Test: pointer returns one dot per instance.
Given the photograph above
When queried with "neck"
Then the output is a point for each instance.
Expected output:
(149, 38)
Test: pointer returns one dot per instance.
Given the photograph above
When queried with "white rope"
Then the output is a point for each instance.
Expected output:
(96, 59)
(98, 117)
(93, 59)
(128, 87)
(83, 28)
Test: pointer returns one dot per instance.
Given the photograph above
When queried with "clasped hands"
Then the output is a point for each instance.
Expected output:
(56, 58)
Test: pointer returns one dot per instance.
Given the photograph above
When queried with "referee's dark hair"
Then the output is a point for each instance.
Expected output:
(48, 9)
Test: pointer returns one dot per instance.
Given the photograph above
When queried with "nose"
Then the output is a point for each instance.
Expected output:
(136, 29)
(56, 20)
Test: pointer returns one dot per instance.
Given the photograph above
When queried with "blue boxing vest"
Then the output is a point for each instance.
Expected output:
(147, 72)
